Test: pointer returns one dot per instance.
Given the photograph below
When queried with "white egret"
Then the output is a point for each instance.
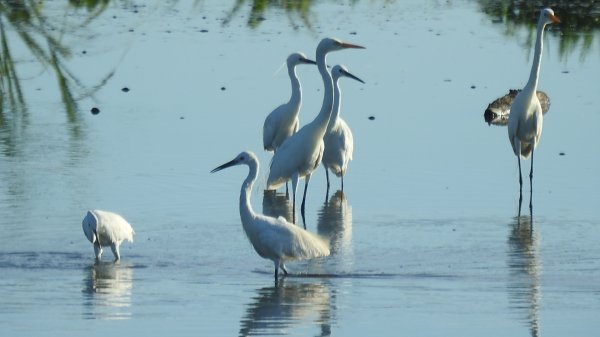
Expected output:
(526, 119)
(301, 153)
(273, 238)
(338, 139)
(103, 228)
(283, 121)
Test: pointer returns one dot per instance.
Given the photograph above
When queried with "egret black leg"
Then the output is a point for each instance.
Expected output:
(302, 207)
(520, 182)
(531, 183)
(307, 179)
(327, 176)
(342, 181)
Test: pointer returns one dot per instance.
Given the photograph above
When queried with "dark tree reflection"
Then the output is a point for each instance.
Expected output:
(580, 21)
(24, 22)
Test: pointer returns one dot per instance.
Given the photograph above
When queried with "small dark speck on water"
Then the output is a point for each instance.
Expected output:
(95, 111)
(131, 30)
(473, 87)
(565, 71)
(371, 118)
(561, 154)
(181, 117)
(352, 33)
(114, 16)
(222, 88)
(84, 52)
(447, 80)
(125, 89)
(203, 30)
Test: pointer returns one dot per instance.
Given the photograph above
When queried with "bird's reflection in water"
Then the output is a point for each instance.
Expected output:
(525, 268)
(276, 205)
(335, 223)
(107, 291)
(276, 310)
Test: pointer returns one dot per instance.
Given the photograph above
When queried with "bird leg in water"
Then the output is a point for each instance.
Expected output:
(531, 182)
(97, 246)
(327, 175)
(520, 182)
(115, 250)
(295, 179)
(306, 180)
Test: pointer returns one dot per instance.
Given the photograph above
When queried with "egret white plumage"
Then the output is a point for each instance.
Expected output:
(283, 121)
(526, 119)
(273, 238)
(301, 153)
(103, 228)
(338, 139)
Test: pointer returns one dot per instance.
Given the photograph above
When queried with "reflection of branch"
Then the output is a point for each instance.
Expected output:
(301, 8)
(32, 26)
(579, 20)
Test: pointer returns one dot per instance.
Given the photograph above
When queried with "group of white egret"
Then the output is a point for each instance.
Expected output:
(297, 153)
(327, 139)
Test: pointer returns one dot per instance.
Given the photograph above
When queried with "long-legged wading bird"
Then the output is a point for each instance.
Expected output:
(273, 238)
(103, 228)
(283, 121)
(301, 154)
(526, 118)
(338, 139)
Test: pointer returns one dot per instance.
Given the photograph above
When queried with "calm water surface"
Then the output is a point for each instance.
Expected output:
(426, 239)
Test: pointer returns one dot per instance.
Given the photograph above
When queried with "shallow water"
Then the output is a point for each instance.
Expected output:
(425, 240)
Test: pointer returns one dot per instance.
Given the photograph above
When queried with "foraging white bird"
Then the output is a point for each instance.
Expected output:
(338, 139)
(283, 121)
(301, 154)
(273, 238)
(103, 228)
(526, 119)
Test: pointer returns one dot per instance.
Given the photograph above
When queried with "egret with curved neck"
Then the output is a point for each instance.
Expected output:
(301, 154)
(338, 140)
(282, 122)
(273, 238)
(526, 119)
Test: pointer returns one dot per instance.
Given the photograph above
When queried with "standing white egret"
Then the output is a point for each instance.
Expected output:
(301, 154)
(283, 121)
(338, 140)
(103, 228)
(273, 238)
(526, 119)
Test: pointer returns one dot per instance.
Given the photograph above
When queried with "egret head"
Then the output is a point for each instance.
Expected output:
(245, 157)
(547, 16)
(328, 44)
(298, 58)
(341, 71)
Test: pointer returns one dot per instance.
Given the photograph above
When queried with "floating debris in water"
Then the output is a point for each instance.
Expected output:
(125, 89)
(352, 33)
(84, 52)
(222, 88)
(371, 118)
(95, 111)
(561, 153)
(473, 87)
(203, 30)
(565, 71)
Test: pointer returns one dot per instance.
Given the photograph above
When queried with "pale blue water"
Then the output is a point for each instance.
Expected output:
(425, 241)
